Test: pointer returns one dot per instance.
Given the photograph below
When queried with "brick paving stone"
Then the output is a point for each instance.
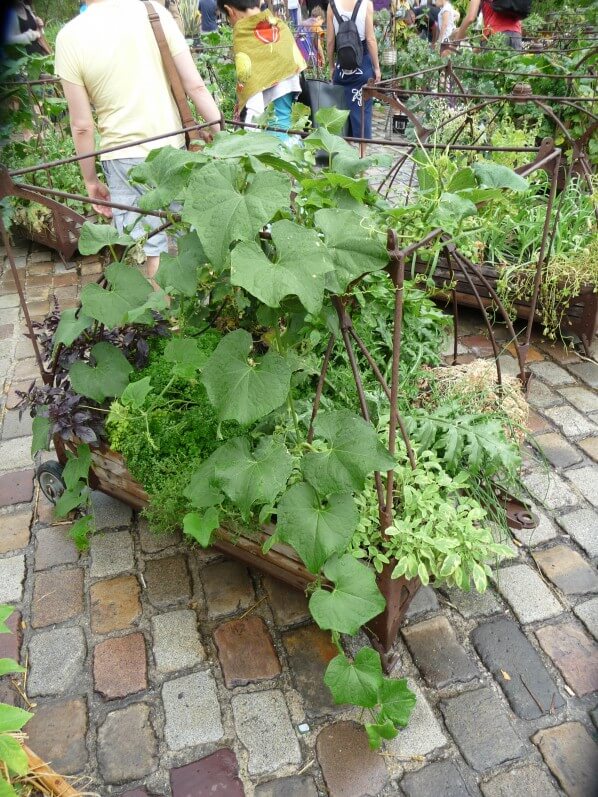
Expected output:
(216, 774)
(473, 604)
(288, 605)
(582, 399)
(127, 747)
(567, 569)
(14, 531)
(573, 653)
(120, 666)
(27, 369)
(111, 554)
(528, 780)
(192, 711)
(422, 735)
(586, 481)
(545, 530)
(297, 786)
(227, 587)
(479, 344)
(349, 767)
(153, 543)
(551, 373)
(425, 600)
(442, 778)
(176, 641)
(571, 422)
(309, 651)
(16, 487)
(557, 450)
(56, 660)
(437, 653)
(57, 596)
(482, 730)
(54, 547)
(590, 446)
(550, 489)
(582, 525)
(12, 574)
(57, 734)
(528, 686)
(135, 793)
(526, 593)
(115, 604)
(536, 424)
(246, 651)
(10, 644)
(167, 580)
(588, 614)
(587, 372)
(572, 757)
(108, 512)
(14, 427)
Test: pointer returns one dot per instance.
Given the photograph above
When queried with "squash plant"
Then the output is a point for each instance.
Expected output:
(266, 245)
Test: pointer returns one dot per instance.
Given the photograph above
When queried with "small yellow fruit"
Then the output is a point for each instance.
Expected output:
(243, 67)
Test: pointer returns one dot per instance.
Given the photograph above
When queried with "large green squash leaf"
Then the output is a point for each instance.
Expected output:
(165, 172)
(94, 237)
(315, 529)
(355, 682)
(397, 701)
(241, 389)
(237, 145)
(298, 268)
(108, 377)
(353, 601)
(224, 208)
(128, 300)
(352, 453)
(354, 246)
(179, 272)
(495, 175)
(72, 323)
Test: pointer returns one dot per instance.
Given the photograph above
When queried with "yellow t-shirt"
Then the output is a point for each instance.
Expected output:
(112, 51)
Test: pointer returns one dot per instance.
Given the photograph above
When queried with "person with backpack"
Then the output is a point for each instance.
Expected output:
(499, 16)
(353, 57)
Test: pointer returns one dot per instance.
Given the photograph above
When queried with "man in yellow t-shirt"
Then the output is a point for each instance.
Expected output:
(108, 58)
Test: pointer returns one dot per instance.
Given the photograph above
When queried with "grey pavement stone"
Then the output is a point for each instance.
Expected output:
(586, 481)
(176, 641)
(582, 399)
(550, 489)
(56, 660)
(572, 756)
(12, 575)
(588, 614)
(509, 365)
(473, 604)
(557, 450)
(551, 373)
(192, 711)
(442, 778)
(582, 526)
(13, 427)
(529, 781)
(526, 593)
(425, 600)
(15, 453)
(587, 372)
(127, 747)
(504, 648)
(422, 735)
(540, 395)
(303, 786)
(567, 569)
(111, 553)
(571, 422)
(152, 543)
(482, 730)
(544, 531)
(264, 727)
(437, 653)
(108, 512)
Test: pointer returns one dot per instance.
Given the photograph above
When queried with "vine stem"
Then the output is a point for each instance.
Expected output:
(290, 403)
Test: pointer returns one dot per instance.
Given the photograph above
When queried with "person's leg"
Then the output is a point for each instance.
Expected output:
(513, 39)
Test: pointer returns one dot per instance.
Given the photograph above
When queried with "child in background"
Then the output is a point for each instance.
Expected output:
(309, 36)
(267, 60)
(446, 24)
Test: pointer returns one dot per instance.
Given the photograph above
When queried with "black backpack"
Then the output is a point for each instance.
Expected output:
(516, 9)
(348, 45)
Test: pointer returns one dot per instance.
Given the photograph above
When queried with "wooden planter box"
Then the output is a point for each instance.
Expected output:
(110, 475)
(581, 317)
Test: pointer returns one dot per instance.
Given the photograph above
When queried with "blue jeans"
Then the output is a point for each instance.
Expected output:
(353, 83)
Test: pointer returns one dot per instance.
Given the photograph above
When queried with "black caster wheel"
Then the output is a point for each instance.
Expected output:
(49, 477)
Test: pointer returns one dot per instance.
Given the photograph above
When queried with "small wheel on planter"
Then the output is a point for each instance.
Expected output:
(49, 477)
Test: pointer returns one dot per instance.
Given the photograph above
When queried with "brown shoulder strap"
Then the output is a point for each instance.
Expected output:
(176, 86)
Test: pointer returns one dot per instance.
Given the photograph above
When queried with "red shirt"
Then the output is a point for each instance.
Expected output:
(498, 23)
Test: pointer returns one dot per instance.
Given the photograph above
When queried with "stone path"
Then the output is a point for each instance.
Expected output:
(157, 670)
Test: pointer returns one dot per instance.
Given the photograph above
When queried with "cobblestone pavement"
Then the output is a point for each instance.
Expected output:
(158, 670)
